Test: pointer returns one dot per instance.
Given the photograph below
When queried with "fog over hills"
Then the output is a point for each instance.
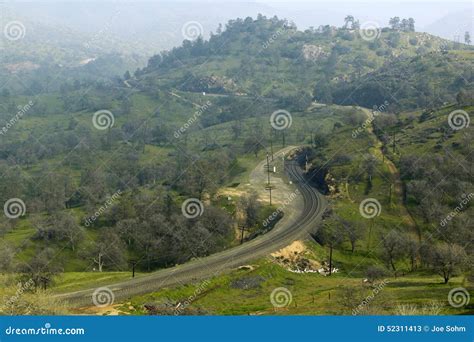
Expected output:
(151, 26)
(453, 25)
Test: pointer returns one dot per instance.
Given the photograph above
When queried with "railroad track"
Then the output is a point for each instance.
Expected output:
(210, 266)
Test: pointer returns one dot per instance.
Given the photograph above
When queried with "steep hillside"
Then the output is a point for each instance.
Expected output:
(429, 80)
(271, 58)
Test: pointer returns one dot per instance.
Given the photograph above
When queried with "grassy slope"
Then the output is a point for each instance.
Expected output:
(314, 294)
(258, 71)
(426, 138)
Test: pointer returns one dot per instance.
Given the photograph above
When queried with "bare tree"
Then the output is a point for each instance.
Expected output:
(69, 229)
(352, 231)
(59, 227)
(127, 229)
(369, 166)
(413, 250)
(374, 273)
(348, 20)
(448, 260)
(393, 247)
(41, 269)
(252, 145)
(108, 251)
(250, 208)
(330, 236)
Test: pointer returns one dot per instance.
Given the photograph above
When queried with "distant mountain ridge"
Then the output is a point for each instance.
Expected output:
(270, 57)
(453, 26)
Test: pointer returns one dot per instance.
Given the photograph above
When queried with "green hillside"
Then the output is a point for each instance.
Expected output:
(103, 164)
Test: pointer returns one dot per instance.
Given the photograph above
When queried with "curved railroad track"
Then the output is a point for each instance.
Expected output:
(280, 236)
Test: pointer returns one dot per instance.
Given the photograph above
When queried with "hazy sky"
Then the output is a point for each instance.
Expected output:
(151, 20)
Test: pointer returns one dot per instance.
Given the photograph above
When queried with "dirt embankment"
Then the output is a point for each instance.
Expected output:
(297, 258)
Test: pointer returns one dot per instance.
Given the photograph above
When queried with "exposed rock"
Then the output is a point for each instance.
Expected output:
(313, 52)
(211, 84)
(170, 308)
(332, 185)
(297, 259)
(246, 268)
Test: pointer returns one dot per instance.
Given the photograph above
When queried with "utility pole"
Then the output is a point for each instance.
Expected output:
(242, 230)
(268, 171)
(330, 259)
(271, 141)
(269, 186)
